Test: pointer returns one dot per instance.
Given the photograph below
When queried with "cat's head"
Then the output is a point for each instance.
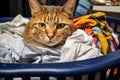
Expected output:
(49, 26)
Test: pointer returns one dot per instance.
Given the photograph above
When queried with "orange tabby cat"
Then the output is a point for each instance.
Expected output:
(49, 26)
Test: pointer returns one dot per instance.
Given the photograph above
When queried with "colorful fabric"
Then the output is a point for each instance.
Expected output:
(96, 25)
(92, 20)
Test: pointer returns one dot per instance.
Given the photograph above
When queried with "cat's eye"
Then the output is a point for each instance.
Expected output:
(42, 25)
(60, 25)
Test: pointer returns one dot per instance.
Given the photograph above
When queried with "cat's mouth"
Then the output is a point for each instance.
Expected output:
(52, 43)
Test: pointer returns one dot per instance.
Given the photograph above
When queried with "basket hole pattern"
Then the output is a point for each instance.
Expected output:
(92, 76)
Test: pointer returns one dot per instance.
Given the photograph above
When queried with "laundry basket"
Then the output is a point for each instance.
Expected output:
(90, 69)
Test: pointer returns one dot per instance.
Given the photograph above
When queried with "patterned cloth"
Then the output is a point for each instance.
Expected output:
(83, 7)
(96, 25)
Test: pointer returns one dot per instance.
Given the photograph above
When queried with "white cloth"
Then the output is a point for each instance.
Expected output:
(78, 46)
(12, 29)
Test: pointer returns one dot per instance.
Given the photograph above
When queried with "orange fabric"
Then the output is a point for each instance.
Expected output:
(82, 21)
(115, 71)
(76, 19)
(85, 21)
(89, 31)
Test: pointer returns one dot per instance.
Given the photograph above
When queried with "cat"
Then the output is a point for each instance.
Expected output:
(49, 26)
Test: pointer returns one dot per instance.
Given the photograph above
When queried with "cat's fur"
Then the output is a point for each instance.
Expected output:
(49, 26)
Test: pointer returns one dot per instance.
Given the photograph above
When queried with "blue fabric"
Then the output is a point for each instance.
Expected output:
(83, 7)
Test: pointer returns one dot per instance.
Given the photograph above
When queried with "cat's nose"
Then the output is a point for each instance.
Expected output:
(50, 36)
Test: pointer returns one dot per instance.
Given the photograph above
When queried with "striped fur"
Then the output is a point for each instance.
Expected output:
(49, 26)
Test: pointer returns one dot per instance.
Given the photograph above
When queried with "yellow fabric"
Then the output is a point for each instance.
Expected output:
(82, 21)
(106, 33)
(98, 15)
(104, 43)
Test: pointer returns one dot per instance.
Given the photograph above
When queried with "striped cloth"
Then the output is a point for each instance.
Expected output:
(83, 7)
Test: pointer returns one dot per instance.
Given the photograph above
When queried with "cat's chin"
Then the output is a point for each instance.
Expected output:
(52, 44)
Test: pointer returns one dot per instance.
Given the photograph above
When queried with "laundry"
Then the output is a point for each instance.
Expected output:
(96, 25)
(19, 52)
(79, 46)
(14, 50)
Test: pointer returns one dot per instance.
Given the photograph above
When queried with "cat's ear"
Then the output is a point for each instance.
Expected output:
(69, 7)
(35, 6)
